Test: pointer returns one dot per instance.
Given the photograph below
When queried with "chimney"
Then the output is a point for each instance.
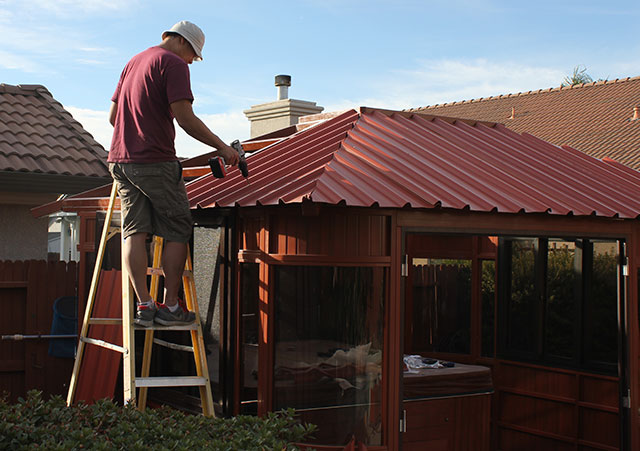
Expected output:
(282, 83)
(281, 113)
(636, 113)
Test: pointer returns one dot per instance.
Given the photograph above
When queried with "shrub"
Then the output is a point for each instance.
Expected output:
(35, 423)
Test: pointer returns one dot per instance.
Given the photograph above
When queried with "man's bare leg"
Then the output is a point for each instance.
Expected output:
(136, 261)
(174, 256)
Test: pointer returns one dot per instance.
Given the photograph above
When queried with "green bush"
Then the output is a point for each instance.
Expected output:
(35, 423)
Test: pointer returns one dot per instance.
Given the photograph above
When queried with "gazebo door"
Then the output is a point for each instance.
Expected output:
(446, 399)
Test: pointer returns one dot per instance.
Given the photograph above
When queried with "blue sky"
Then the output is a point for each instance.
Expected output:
(340, 54)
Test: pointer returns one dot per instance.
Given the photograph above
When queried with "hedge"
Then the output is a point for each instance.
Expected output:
(34, 423)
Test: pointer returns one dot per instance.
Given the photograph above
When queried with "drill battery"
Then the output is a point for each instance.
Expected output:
(217, 164)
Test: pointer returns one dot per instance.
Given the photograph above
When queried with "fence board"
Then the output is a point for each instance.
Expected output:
(28, 290)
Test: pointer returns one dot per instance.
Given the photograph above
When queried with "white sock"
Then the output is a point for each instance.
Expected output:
(146, 304)
(173, 308)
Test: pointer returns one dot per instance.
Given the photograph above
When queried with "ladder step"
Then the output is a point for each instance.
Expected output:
(118, 322)
(192, 326)
(104, 344)
(174, 346)
(160, 272)
(106, 321)
(179, 381)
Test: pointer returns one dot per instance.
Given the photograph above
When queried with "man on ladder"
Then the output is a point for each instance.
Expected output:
(154, 87)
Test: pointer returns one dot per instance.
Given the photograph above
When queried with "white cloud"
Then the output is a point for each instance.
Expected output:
(43, 42)
(5, 15)
(441, 81)
(619, 69)
(95, 49)
(40, 46)
(430, 82)
(95, 122)
(13, 61)
(228, 126)
(91, 62)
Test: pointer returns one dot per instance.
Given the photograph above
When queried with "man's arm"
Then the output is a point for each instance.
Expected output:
(112, 113)
(190, 123)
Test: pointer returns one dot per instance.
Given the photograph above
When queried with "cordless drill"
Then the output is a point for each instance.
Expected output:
(217, 164)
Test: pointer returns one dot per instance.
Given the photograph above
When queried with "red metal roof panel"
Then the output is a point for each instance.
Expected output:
(397, 159)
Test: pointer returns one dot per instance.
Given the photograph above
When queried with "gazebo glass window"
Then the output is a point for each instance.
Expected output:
(559, 302)
(329, 348)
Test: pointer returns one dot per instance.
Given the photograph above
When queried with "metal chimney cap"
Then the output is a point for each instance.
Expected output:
(283, 80)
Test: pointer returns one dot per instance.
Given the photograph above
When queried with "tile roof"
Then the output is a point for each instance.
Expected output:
(595, 118)
(38, 136)
(395, 159)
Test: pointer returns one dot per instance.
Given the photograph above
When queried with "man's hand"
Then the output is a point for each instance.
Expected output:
(229, 154)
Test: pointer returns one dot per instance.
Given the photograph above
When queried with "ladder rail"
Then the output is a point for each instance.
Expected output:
(199, 355)
(148, 336)
(73, 384)
(128, 333)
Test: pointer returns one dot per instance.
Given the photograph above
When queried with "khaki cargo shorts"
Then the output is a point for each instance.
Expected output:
(153, 199)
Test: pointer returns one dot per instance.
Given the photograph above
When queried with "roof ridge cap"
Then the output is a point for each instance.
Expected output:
(19, 89)
(523, 93)
(483, 99)
(33, 87)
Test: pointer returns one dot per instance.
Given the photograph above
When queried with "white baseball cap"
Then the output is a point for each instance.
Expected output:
(192, 33)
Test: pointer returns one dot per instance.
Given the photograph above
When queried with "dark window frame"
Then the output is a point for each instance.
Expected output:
(488, 315)
(539, 353)
(249, 316)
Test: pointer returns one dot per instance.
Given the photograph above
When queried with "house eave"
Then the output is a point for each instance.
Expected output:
(15, 181)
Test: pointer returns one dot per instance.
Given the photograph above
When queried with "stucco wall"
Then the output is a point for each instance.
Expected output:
(205, 254)
(22, 237)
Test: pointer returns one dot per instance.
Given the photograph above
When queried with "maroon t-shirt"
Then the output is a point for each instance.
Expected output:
(143, 130)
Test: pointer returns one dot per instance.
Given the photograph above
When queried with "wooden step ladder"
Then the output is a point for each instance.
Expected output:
(130, 381)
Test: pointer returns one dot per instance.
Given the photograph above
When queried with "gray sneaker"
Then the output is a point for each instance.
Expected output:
(180, 317)
(145, 314)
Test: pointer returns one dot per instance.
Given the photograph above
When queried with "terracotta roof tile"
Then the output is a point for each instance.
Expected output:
(37, 135)
(593, 117)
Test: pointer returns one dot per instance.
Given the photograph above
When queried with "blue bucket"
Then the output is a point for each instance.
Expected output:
(65, 322)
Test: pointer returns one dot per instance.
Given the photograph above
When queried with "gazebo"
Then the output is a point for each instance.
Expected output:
(436, 282)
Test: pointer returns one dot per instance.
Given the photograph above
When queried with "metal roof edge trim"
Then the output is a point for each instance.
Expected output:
(58, 205)
(437, 207)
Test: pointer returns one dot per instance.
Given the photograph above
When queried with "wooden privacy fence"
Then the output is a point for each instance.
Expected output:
(28, 290)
